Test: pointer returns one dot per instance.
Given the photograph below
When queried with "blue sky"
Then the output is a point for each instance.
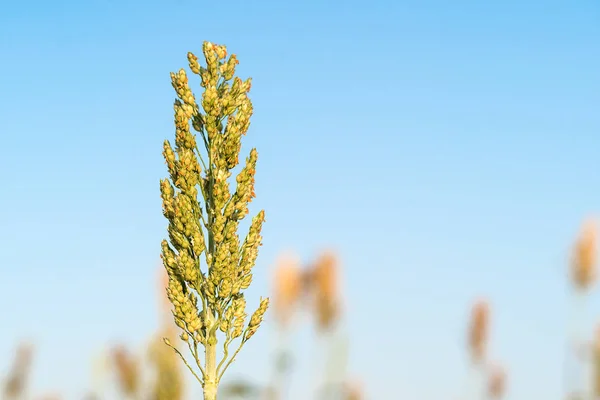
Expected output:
(447, 150)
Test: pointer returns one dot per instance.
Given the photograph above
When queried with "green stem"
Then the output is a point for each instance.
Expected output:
(225, 355)
(200, 154)
(186, 363)
(210, 348)
(210, 367)
(231, 359)
(281, 371)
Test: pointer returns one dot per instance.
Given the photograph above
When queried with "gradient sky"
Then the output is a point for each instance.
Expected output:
(446, 149)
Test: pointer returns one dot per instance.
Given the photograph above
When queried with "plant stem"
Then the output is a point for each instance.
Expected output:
(210, 367)
(210, 348)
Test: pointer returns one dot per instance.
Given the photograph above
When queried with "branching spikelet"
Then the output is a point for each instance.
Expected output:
(169, 383)
(256, 319)
(585, 256)
(205, 301)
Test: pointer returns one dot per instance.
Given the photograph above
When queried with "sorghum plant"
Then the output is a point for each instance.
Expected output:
(325, 291)
(479, 332)
(287, 292)
(486, 380)
(128, 371)
(168, 382)
(585, 255)
(315, 286)
(16, 384)
(327, 310)
(206, 300)
(583, 275)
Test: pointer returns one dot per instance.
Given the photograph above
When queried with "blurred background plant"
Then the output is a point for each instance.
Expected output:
(168, 374)
(165, 380)
(486, 379)
(17, 383)
(314, 288)
(153, 374)
(582, 376)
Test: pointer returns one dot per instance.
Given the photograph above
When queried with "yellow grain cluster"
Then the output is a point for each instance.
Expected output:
(209, 300)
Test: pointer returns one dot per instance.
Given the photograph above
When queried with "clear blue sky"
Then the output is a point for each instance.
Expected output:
(447, 149)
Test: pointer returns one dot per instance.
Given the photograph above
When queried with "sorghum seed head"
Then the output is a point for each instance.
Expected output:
(221, 119)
